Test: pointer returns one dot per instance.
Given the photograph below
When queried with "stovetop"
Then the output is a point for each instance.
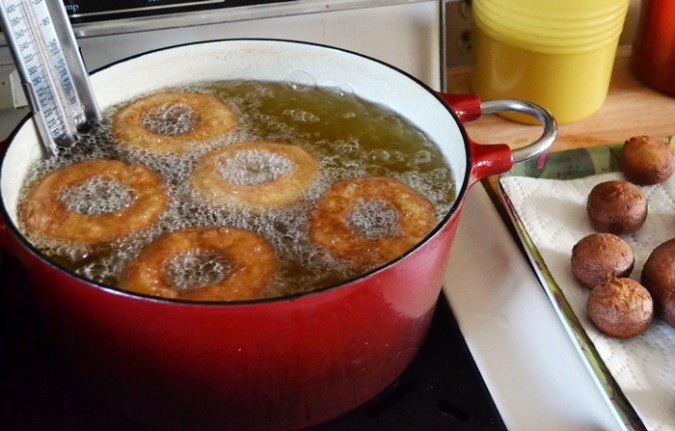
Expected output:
(441, 390)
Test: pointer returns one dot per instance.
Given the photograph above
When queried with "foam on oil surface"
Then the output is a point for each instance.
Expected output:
(195, 268)
(250, 167)
(169, 119)
(96, 196)
(374, 219)
(349, 137)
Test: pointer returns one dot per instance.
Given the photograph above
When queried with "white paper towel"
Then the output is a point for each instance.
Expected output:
(553, 213)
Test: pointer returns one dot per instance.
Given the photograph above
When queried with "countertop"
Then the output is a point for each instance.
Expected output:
(509, 349)
(631, 109)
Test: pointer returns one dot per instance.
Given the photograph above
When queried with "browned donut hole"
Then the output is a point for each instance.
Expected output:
(620, 308)
(658, 276)
(599, 257)
(617, 207)
(645, 160)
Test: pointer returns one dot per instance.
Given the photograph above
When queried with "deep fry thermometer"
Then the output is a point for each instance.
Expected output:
(52, 72)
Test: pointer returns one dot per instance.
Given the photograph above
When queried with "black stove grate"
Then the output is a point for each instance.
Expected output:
(441, 390)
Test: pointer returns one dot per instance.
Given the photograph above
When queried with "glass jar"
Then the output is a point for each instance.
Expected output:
(653, 57)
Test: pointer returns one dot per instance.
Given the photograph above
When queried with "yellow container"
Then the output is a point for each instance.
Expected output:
(558, 53)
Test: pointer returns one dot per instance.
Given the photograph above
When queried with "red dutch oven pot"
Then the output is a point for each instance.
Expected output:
(284, 363)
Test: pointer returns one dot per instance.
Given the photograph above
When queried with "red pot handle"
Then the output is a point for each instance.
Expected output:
(466, 106)
(496, 159)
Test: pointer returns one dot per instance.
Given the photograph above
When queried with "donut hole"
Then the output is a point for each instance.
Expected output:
(253, 167)
(95, 196)
(617, 207)
(193, 269)
(169, 119)
(621, 307)
(374, 219)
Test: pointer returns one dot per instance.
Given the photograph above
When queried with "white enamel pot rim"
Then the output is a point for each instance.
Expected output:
(276, 60)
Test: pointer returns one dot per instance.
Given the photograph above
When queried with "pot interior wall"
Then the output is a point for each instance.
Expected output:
(267, 60)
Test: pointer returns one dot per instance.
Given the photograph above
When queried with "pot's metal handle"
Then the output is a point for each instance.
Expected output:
(548, 136)
(4, 231)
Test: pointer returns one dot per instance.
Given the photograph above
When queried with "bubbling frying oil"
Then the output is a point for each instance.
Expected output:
(169, 119)
(373, 219)
(96, 196)
(195, 268)
(350, 138)
(251, 167)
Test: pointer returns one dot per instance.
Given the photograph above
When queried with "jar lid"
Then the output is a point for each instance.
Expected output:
(517, 20)
(547, 35)
(560, 10)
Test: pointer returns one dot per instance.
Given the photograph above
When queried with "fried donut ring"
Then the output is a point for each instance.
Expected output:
(254, 175)
(196, 119)
(250, 265)
(44, 212)
(332, 223)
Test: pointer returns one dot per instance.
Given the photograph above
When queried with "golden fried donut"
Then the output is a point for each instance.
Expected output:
(203, 264)
(370, 221)
(172, 122)
(254, 175)
(93, 202)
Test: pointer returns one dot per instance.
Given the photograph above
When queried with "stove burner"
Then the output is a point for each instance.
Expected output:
(441, 390)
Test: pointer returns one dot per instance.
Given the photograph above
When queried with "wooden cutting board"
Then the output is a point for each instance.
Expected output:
(631, 109)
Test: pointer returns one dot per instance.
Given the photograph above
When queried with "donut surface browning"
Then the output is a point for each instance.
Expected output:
(331, 223)
(617, 207)
(172, 122)
(599, 257)
(44, 213)
(621, 308)
(645, 160)
(658, 276)
(249, 265)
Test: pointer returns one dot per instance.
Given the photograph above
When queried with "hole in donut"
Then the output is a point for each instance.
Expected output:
(251, 167)
(169, 119)
(196, 268)
(373, 219)
(96, 196)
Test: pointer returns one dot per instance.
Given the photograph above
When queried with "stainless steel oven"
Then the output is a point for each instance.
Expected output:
(406, 33)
